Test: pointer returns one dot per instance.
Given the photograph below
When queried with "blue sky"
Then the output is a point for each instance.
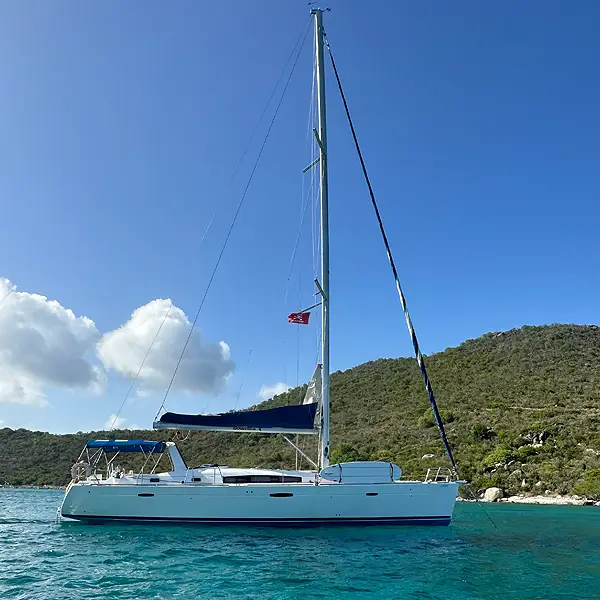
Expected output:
(122, 124)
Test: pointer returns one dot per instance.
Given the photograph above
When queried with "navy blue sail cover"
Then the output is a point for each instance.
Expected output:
(295, 418)
(128, 446)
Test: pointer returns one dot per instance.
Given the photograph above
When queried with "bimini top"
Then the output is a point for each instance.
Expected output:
(299, 418)
(128, 446)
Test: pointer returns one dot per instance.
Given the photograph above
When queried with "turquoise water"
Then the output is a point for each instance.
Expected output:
(535, 553)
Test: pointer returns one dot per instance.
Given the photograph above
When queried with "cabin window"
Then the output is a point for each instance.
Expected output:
(262, 479)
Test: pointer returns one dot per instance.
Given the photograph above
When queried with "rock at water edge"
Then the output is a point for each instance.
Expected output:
(492, 494)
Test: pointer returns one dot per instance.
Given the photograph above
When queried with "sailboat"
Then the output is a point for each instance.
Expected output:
(356, 493)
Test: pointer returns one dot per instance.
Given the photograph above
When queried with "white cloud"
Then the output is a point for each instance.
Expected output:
(114, 422)
(205, 367)
(43, 344)
(268, 391)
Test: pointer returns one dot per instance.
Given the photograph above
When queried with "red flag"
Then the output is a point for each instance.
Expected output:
(300, 318)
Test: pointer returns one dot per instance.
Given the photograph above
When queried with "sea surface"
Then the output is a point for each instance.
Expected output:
(541, 552)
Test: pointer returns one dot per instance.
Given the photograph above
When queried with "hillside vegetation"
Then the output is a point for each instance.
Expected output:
(522, 412)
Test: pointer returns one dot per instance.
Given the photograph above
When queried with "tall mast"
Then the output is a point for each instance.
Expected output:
(322, 142)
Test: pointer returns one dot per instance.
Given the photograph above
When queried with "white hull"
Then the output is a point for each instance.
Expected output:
(411, 503)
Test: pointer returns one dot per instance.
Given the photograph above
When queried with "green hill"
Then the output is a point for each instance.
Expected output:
(522, 411)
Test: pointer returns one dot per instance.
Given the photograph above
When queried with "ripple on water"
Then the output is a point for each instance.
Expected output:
(536, 552)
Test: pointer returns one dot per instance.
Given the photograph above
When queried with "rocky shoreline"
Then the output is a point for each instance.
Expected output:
(566, 500)
(495, 494)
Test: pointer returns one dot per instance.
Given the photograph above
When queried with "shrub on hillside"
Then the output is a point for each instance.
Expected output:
(589, 485)
(499, 455)
(482, 432)
(428, 418)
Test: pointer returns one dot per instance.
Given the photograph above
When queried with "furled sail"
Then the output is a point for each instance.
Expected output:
(297, 418)
(315, 388)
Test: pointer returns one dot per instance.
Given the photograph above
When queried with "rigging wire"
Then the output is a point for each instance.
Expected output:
(417, 350)
(303, 210)
(257, 126)
(219, 207)
(242, 382)
(413, 335)
(314, 197)
(6, 297)
(293, 259)
(298, 332)
(305, 198)
(316, 220)
(299, 40)
(137, 375)
(235, 217)
(254, 131)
